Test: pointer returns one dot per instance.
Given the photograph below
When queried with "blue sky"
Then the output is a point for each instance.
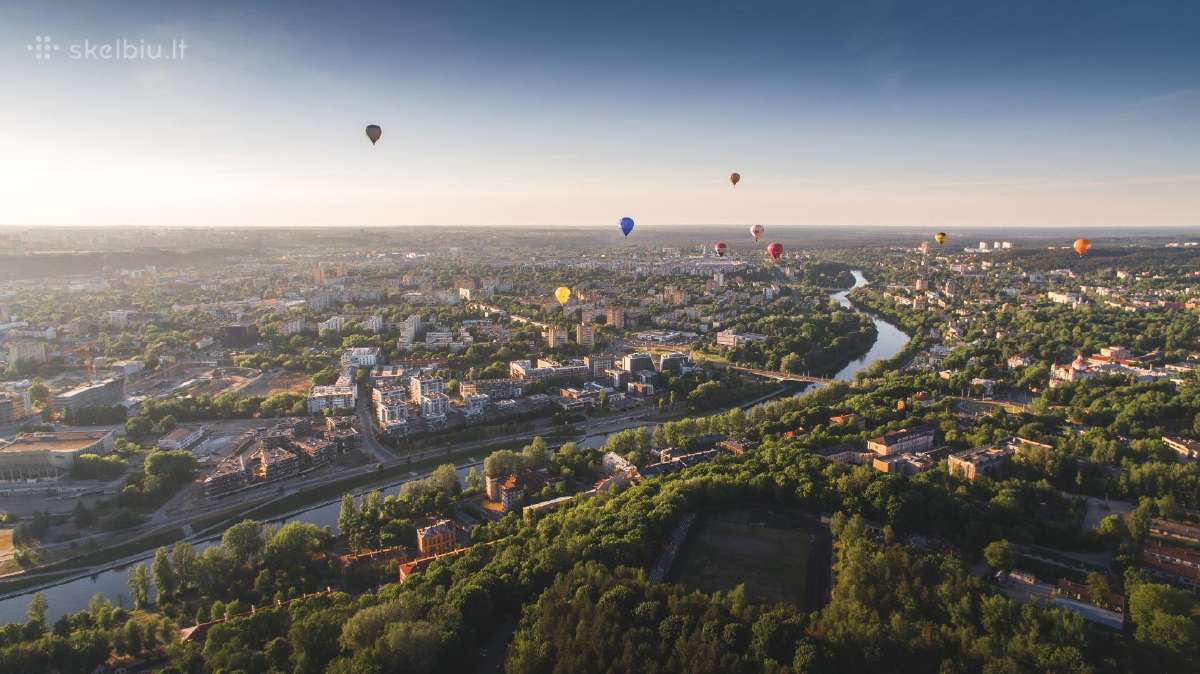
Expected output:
(514, 112)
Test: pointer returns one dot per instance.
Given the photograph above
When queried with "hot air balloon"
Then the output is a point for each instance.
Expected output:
(734, 178)
(757, 231)
(940, 237)
(1082, 246)
(774, 250)
(563, 295)
(374, 132)
(626, 225)
(720, 248)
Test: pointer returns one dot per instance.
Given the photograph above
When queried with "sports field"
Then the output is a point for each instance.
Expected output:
(766, 550)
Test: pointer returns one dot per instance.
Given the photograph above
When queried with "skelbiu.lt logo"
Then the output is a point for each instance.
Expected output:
(42, 47)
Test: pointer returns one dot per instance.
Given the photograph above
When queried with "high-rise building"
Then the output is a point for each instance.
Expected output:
(616, 317)
(585, 335)
(26, 352)
(598, 362)
(556, 336)
(423, 387)
(408, 333)
(12, 407)
(633, 362)
(333, 324)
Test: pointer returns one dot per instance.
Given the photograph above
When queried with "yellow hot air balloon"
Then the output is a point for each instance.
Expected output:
(563, 295)
(940, 237)
(1082, 246)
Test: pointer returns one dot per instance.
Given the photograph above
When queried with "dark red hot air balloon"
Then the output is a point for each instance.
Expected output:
(720, 247)
(774, 250)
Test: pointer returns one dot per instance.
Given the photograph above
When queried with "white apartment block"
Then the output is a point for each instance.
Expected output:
(333, 324)
(331, 397)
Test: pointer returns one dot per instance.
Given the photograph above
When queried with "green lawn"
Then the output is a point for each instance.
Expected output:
(758, 548)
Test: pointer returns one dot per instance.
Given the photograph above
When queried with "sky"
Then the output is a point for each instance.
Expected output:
(948, 113)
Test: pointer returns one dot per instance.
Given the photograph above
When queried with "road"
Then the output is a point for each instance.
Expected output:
(226, 508)
(366, 427)
(1024, 593)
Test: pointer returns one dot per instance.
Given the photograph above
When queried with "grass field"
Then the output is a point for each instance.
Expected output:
(289, 382)
(760, 548)
(7, 563)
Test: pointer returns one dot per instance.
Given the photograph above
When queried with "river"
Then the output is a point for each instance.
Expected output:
(73, 594)
(889, 339)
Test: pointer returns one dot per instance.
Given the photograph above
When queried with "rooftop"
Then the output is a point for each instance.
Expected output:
(63, 441)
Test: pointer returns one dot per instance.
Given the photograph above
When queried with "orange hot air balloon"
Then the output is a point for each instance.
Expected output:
(563, 295)
(734, 178)
(940, 237)
(757, 231)
(374, 133)
(1082, 246)
(774, 250)
(720, 248)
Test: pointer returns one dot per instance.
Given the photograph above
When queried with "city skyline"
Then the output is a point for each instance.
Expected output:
(552, 115)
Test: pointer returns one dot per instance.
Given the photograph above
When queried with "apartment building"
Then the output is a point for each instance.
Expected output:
(903, 441)
(323, 398)
(96, 394)
(973, 463)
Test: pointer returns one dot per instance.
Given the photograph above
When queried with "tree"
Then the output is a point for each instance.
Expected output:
(167, 423)
(999, 555)
(165, 580)
(347, 514)
(139, 426)
(1113, 529)
(1098, 588)
(39, 392)
(243, 540)
(35, 612)
(183, 563)
(1162, 617)
(82, 516)
(139, 586)
(474, 480)
(445, 479)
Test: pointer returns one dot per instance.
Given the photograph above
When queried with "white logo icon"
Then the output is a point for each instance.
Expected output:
(43, 47)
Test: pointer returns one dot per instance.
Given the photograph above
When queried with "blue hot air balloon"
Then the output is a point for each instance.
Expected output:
(626, 225)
